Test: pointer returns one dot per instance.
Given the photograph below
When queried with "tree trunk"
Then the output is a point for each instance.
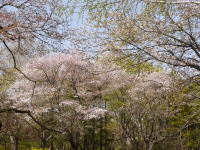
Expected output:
(85, 141)
(101, 134)
(74, 141)
(5, 145)
(63, 148)
(51, 146)
(14, 140)
(93, 135)
(74, 146)
(124, 141)
(148, 146)
(43, 144)
(43, 140)
(105, 129)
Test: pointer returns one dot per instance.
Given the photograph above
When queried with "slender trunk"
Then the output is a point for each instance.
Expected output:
(74, 141)
(124, 141)
(51, 146)
(74, 146)
(5, 145)
(43, 140)
(43, 143)
(85, 142)
(63, 147)
(14, 142)
(94, 140)
(148, 146)
(101, 134)
(105, 127)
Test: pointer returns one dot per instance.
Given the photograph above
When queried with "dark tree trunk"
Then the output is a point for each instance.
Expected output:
(74, 140)
(5, 145)
(74, 146)
(43, 143)
(105, 127)
(85, 142)
(52, 145)
(94, 138)
(101, 134)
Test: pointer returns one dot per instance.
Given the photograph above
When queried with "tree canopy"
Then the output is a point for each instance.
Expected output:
(127, 80)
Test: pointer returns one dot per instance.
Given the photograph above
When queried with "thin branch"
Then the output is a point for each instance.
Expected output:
(15, 63)
(177, 2)
(13, 56)
(4, 5)
(30, 115)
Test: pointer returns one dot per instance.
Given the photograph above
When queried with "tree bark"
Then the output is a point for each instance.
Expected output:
(14, 140)
(74, 140)
(5, 145)
(94, 138)
(101, 134)
(74, 146)
(43, 144)
(43, 141)
(148, 146)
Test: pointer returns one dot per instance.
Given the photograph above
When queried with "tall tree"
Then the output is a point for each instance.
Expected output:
(25, 22)
(161, 31)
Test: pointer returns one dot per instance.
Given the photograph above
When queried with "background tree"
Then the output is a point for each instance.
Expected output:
(157, 31)
(26, 22)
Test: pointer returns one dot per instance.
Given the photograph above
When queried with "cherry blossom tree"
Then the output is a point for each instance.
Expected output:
(27, 26)
(143, 108)
(70, 85)
(71, 91)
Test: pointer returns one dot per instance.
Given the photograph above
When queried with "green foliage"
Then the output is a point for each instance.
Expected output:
(135, 66)
(38, 149)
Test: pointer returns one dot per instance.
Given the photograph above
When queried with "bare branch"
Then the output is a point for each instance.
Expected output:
(176, 2)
